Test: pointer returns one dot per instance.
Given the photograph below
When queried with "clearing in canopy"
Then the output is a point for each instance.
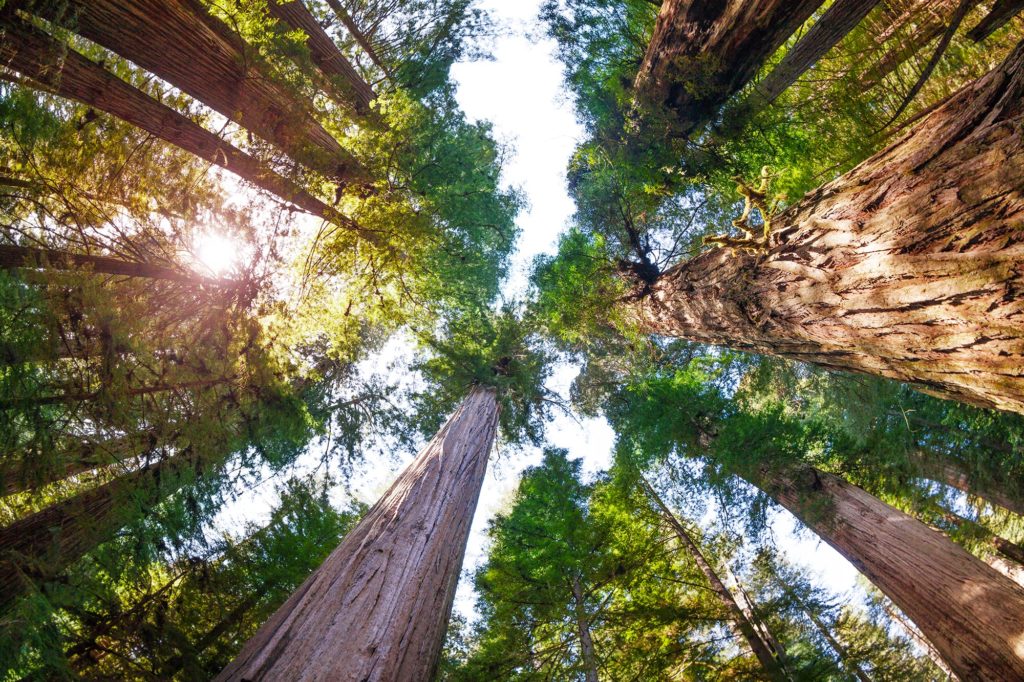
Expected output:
(309, 371)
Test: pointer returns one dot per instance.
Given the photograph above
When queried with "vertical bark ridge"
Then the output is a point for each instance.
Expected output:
(910, 266)
(378, 607)
(973, 615)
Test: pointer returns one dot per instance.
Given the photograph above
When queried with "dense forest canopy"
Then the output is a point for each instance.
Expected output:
(255, 253)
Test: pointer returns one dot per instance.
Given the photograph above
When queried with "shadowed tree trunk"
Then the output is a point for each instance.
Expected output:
(18, 474)
(178, 41)
(38, 547)
(838, 20)
(85, 396)
(583, 628)
(941, 468)
(378, 607)
(909, 267)
(743, 628)
(324, 52)
(57, 68)
(1002, 12)
(997, 543)
(973, 615)
(30, 257)
(704, 51)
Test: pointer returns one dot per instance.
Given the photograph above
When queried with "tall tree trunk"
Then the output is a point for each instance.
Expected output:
(38, 547)
(378, 607)
(583, 628)
(1002, 12)
(361, 39)
(973, 615)
(837, 21)
(178, 41)
(907, 267)
(61, 70)
(997, 543)
(85, 396)
(946, 469)
(31, 257)
(920, 640)
(324, 52)
(73, 459)
(702, 52)
(743, 627)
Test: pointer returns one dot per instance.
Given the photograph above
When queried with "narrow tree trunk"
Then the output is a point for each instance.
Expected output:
(704, 51)
(38, 547)
(324, 52)
(997, 543)
(74, 458)
(178, 41)
(743, 627)
(61, 70)
(31, 257)
(1002, 12)
(973, 615)
(377, 609)
(918, 638)
(85, 396)
(837, 21)
(907, 267)
(357, 34)
(583, 628)
(942, 468)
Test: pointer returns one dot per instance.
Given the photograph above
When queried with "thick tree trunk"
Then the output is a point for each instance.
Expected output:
(61, 70)
(704, 51)
(378, 607)
(324, 52)
(583, 628)
(945, 469)
(971, 614)
(1002, 12)
(837, 21)
(38, 547)
(178, 41)
(743, 627)
(909, 267)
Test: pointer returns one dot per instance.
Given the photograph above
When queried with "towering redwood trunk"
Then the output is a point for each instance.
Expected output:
(361, 38)
(1002, 12)
(583, 628)
(704, 51)
(973, 615)
(378, 607)
(178, 41)
(838, 20)
(40, 546)
(743, 627)
(30, 257)
(909, 266)
(61, 70)
(942, 468)
(324, 52)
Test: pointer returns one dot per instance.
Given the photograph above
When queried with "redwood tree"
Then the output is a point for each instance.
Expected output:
(906, 267)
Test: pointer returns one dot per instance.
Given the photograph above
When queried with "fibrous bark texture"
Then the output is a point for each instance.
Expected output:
(178, 41)
(910, 266)
(704, 51)
(1002, 12)
(324, 52)
(57, 68)
(973, 615)
(838, 20)
(378, 607)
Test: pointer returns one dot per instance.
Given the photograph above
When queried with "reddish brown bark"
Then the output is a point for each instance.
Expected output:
(324, 52)
(57, 68)
(1002, 12)
(743, 627)
(181, 43)
(838, 20)
(704, 51)
(973, 615)
(378, 607)
(910, 266)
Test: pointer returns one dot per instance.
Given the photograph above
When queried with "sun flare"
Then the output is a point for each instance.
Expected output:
(216, 253)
